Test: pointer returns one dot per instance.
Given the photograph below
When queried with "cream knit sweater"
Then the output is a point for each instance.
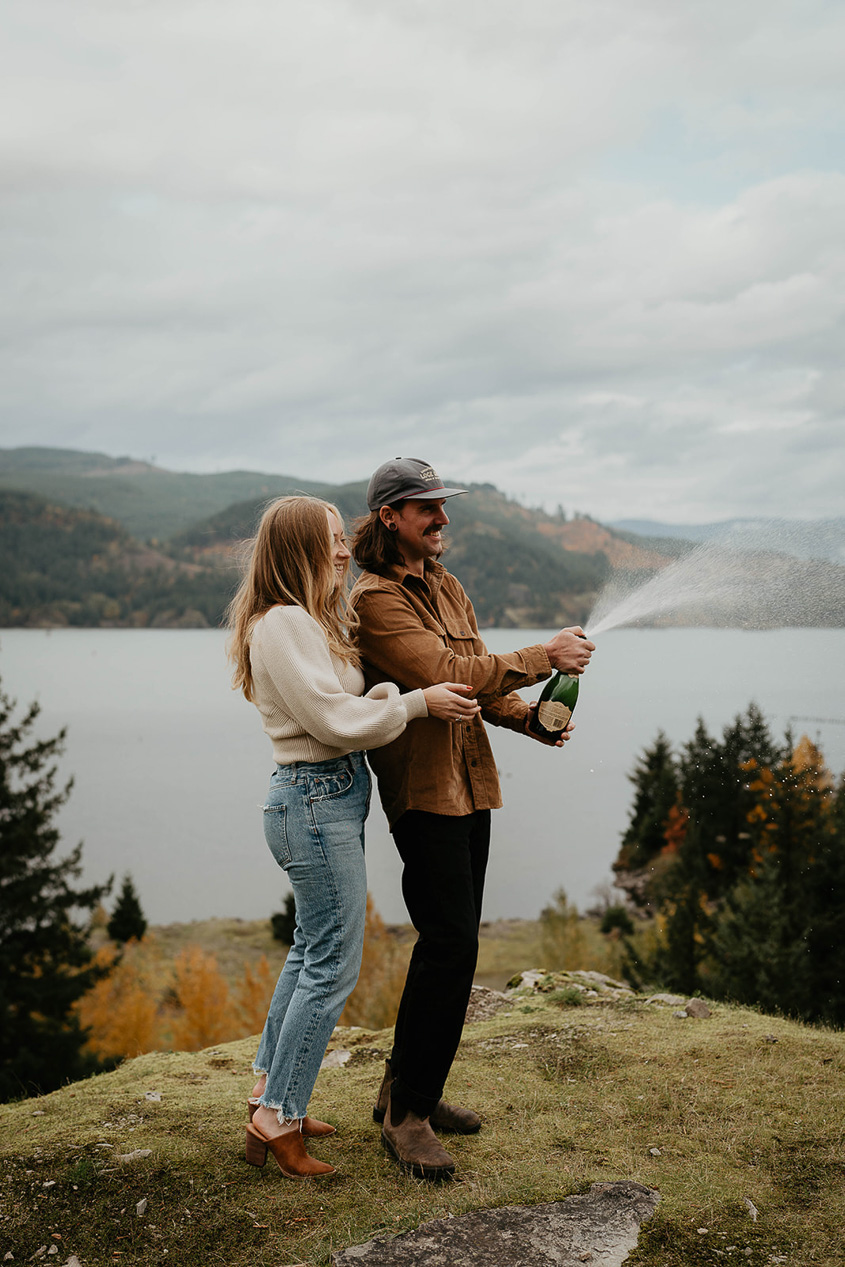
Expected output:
(311, 702)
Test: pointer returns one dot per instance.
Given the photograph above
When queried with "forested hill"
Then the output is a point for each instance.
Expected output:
(521, 567)
(66, 565)
(61, 566)
(151, 503)
(165, 555)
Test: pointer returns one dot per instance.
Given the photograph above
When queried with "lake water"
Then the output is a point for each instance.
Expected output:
(171, 767)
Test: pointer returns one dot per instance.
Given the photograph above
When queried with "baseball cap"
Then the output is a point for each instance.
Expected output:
(406, 478)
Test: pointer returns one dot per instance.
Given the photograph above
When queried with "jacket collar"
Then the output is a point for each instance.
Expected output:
(432, 577)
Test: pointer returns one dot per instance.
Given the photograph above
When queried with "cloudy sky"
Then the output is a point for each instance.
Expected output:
(592, 251)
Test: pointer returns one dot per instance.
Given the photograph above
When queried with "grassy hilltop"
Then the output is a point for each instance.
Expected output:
(713, 1113)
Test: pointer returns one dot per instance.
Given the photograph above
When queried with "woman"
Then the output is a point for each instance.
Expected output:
(294, 659)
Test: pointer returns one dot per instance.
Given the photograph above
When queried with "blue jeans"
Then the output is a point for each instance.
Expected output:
(314, 825)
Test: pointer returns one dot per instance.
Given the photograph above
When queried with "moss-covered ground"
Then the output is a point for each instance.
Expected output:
(713, 1113)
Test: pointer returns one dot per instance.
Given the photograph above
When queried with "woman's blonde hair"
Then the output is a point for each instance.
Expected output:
(289, 562)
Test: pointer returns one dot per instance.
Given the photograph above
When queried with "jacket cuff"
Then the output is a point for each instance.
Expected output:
(509, 712)
(537, 662)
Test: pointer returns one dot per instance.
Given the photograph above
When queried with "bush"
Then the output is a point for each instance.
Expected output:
(283, 923)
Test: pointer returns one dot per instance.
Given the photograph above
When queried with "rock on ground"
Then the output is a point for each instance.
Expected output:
(601, 1226)
(484, 1003)
(591, 985)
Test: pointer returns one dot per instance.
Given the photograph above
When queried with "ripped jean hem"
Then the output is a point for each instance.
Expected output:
(282, 1117)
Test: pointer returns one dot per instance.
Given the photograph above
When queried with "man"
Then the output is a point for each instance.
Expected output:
(437, 783)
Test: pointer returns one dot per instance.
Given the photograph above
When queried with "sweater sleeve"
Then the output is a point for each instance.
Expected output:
(292, 649)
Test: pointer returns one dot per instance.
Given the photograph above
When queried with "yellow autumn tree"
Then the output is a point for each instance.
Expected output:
(813, 782)
(204, 1014)
(253, 996)
(120, 1012)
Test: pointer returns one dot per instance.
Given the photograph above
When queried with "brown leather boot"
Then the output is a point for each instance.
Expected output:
(380, 1106)
(454, 1120)
(450, 1118)
(415, 1146)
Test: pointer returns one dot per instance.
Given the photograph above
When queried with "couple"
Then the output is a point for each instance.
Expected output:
(304, 651)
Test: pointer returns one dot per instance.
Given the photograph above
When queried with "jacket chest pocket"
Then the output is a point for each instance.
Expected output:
(460, 636)
(432, 625)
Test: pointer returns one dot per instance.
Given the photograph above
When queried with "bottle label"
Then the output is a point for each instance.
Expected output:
(554, 716)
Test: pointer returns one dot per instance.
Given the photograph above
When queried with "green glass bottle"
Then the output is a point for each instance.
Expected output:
(554, 707)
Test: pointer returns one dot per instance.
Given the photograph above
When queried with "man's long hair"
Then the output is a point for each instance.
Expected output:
(374, 547)
(290, 563)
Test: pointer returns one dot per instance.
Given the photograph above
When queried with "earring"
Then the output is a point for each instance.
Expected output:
(392, 528)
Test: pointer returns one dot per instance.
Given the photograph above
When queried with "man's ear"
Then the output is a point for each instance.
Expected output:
(387, 515)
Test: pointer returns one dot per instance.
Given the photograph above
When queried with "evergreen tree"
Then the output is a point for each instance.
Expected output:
(283, 922)
(616, 919)
(749, 889)
(717, 782)
(827, 900)
(127, 919)
(685, 914)
(758, 950)
(778, 937)
(45, 960)
(726, 788)
(655, 779)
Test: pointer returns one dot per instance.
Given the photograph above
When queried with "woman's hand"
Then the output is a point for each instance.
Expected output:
(448, 701)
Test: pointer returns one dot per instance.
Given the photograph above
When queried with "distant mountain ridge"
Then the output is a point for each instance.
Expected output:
(86, 539)
(35, 458)
(151, 502)
(521, 566)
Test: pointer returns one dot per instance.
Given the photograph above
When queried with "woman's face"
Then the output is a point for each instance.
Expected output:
(340, 554)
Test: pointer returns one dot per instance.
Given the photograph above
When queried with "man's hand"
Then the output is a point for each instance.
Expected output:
(569, 650)
(567, 734)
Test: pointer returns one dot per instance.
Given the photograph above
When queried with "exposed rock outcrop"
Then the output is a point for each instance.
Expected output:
(602, 1226)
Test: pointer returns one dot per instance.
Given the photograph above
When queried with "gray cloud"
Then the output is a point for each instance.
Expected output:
(590, 251)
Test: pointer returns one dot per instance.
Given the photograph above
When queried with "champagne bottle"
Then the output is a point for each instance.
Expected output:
(554, 707)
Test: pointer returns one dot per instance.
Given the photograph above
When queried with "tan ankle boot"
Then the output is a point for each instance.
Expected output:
(380, 1106)
(450, 1118)
(415, 1146)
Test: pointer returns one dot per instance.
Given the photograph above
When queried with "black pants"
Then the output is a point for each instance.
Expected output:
(445, 860)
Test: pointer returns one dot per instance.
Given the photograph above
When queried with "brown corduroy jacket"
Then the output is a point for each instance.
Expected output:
(417, 631)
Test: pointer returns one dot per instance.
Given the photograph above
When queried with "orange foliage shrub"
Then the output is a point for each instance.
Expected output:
(375, 1000)
(202, 995)
(253, 997)
(142, 1006)
(675, 830)
(120, 1012)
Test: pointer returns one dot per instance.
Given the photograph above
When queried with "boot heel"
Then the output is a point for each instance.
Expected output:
(256, 1149)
